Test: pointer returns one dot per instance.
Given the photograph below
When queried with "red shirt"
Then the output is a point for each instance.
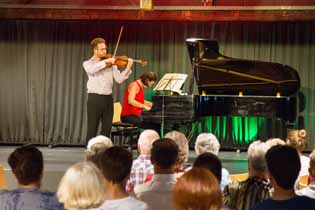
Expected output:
(128, 109)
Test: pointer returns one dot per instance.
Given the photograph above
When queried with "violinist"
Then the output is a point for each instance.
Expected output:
(134, 102)
(101, 75)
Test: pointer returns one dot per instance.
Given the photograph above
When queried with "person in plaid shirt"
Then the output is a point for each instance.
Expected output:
(142, 166)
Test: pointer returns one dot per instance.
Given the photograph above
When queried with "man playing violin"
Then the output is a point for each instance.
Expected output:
(134, 102)
(101, 76)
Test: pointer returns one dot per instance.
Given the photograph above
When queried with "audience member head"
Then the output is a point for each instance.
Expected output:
(27, 165)
(145, 141)
(312, 165)
(115, 164)
(96, 144)
(207, 142)
(81, 187)
(297, 139)
(210, 162)
(257, 165)
(164, 154)
(283, 166)
(183, 149)
(274, 141)
(197, 189)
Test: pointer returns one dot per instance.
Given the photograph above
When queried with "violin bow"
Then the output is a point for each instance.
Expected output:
(121, 30)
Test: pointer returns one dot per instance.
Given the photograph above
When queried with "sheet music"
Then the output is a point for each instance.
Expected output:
(172, 82)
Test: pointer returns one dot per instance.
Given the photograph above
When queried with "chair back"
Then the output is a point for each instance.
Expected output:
(239, 177)
(117, 112)
(303, 181)
(2, 178)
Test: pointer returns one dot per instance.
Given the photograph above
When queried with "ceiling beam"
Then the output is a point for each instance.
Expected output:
(161, 13)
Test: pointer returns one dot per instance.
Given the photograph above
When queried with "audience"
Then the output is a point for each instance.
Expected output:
(283, 167)
(207, 142)
(297, 139)
(115, 164)
(161, 162)
(81, 187)
(158, 192)
(27, 166)
(310, 189)
(183, 150)
(96, 144)
(142, 166)
(197, 189)
(246, 194)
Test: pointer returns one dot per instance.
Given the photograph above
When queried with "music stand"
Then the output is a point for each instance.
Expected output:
(172, 82)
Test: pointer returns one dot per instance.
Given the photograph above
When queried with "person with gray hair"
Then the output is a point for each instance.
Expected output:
(274, 141)
(208, 142)
(309, 191)
(97, 144)
(246, 194)
(182, 142)
(142, 166)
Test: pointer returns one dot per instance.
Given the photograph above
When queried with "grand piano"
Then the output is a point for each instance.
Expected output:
(230, 87)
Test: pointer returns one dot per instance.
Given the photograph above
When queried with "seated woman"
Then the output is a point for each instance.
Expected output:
(197, 189)
(134, 102)
(27, 166)
(246, 194)
(82, 187)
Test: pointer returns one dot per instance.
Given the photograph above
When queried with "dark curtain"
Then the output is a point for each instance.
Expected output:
(43, 84)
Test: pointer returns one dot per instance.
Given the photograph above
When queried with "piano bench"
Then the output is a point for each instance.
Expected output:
(126, 135)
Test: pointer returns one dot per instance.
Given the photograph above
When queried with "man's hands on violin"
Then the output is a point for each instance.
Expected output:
(113, 61)
(110, 61)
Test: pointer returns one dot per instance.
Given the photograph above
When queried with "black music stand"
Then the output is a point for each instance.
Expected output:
(172, 82)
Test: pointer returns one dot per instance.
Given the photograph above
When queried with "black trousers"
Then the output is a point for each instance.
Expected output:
(99, 108)
(138, 121)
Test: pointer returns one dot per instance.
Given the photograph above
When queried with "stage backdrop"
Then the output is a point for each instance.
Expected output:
(43, 85)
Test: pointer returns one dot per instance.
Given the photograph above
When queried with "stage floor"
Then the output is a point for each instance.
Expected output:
(57, 160)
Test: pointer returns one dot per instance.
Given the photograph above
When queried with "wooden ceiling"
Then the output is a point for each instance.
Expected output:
(172, 10)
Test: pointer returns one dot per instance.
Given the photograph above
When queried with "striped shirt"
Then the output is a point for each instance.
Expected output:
(101, 78)
(246, 194)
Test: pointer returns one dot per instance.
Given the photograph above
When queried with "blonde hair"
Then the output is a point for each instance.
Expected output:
(81, 187)
(182, 143)
(294, 137)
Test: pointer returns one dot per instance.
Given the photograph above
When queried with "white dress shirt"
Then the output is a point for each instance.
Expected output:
(101, 78)
(305, 164)
(308, 191)
(158, 192)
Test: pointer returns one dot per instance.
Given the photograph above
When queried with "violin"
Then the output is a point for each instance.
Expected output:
(122, 61)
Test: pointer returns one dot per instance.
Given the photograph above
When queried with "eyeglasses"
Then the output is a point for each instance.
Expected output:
(102, 49)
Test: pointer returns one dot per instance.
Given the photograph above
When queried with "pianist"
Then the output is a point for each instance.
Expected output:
(134, 102)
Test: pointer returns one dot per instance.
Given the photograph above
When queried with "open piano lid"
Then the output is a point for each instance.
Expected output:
(221, 75)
